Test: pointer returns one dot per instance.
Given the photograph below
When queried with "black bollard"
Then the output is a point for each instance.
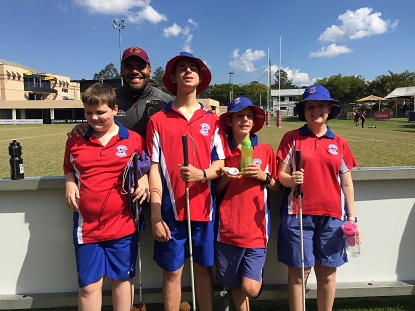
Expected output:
(16, 161)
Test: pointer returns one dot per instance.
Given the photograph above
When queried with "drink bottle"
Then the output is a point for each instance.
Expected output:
(16, 161)
(246, 152)
(350, 233)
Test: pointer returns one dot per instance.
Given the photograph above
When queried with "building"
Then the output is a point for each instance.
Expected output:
(286, 99)
(31, 96)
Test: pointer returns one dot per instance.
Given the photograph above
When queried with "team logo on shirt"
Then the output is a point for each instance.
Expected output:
(205, 129)
(121, 151)
(333, 149)
(257, 161)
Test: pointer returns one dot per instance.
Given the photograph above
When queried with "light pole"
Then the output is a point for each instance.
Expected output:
(119, 26)
(231, 89)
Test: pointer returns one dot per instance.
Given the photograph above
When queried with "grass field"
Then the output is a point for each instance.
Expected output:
(391, 143)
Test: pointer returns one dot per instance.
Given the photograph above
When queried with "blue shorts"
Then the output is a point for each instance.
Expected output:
(114, 258)
(233, 263)
(171, 255)
(323, 240)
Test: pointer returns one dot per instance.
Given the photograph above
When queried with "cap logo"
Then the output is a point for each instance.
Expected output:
(312, 90)
(237, 100)
(135, 50)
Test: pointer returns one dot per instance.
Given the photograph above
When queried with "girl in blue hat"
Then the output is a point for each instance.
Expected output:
(328, 198)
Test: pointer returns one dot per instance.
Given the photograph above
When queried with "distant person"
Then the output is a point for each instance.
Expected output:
(363, 116)
(104, 228)
(137, 99)
(356, 117)
(185, 76)
(241, 245)
(328, 198)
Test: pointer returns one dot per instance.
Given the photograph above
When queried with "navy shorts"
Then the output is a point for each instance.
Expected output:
(233, 263)
(115, 259)
(171, 255)
(323, 240)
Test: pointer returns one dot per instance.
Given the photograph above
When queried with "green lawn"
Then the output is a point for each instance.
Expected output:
(391, 143)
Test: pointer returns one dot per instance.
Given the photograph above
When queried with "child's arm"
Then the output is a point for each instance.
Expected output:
(288, 178)
(193, 174)
(71, 191)
(254, 171)
(143, 190)
(161, 231)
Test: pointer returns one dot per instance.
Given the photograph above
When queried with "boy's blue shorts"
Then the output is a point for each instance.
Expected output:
(323, 240)
(114, 258)
(233, 263)
(171, 255)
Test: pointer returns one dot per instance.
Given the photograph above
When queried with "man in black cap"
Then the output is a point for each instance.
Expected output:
(137, 99)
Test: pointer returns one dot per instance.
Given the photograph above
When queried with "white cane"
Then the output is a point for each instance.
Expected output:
(299, 195)
(189, 225)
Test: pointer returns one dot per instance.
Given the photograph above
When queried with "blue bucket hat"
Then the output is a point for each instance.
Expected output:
(318, 92)
(239, 104)
(203, 69)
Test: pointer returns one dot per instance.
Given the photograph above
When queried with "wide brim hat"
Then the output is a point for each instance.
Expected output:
(318, 92)
(239, 104)
(137, 52)
(203, 69)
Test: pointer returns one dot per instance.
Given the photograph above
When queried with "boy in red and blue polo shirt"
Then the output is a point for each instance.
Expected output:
(185, 76)
(103, 232)
(328, 197)
(244, 210)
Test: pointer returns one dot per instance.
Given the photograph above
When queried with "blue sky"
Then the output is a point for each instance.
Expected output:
(319, 38)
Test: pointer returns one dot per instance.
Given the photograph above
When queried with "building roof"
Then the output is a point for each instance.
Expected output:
(287, 92)
(406, 92)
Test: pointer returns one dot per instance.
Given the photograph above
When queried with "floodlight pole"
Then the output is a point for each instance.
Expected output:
(119, 26)
(231, 88)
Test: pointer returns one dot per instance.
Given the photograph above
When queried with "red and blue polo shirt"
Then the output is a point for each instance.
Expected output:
(244, 210)
(323, 160)
(205, 144)
(104, 212)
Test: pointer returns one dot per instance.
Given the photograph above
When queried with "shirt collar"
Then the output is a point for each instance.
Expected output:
(304, 130)
(252, 137)
(169, 106)
(122, 132)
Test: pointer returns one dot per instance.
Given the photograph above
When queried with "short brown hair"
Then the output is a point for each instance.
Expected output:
(98, 94)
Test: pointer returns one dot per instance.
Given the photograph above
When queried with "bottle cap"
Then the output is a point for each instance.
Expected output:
(246, 142)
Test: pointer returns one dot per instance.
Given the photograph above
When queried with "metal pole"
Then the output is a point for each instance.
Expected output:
(231, 84)
(119, 26)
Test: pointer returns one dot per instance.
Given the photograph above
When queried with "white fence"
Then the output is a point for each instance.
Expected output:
(37, 266)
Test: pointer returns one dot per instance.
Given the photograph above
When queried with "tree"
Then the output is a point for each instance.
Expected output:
(285, 82)
(109, 72)
(158, 76)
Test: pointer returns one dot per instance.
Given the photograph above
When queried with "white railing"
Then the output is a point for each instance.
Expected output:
(37, 265)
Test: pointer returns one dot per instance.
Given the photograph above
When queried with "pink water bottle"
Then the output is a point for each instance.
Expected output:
(350, 233)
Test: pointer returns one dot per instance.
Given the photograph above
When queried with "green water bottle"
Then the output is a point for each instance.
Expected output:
(246, 151)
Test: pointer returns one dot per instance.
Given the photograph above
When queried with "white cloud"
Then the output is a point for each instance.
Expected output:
(295, 75)
(136, 11)
(193, 23)
(331, 51)
(357, 25)
(175, 30)
(146, 14)
(172, 31)
(245, 62)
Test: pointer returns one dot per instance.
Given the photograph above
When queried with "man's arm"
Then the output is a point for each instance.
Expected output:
(78, 130)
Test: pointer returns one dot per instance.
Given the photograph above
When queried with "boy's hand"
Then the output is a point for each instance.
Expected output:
(143, 190)
(161, 231)
(298, 177)
(254, 171)
(78, 130)
(190, 173)
(72, 195)
(225, 172)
